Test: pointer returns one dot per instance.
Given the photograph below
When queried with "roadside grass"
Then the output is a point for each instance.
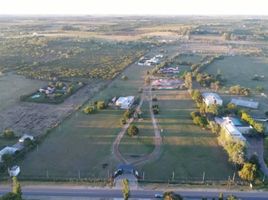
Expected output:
(13, 86)
(241, 69)
(188, 150)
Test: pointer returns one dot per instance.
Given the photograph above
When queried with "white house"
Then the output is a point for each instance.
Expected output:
(8, 150)
(125, 102)
(212, 98)
(26, 136)
(242, 127)
(233, 132)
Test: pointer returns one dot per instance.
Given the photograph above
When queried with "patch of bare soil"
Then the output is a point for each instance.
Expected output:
(35, 119)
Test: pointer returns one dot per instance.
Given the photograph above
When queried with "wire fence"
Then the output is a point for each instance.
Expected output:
(86, 176)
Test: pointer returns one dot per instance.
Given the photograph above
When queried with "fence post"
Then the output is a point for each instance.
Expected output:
(204, 176)
(47, 174)
(234, 177)
(143, 175)
(79, 175)
(173, 175)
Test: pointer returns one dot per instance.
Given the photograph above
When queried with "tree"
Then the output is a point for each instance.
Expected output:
(10, 196)
(231, 197)
(259, 127)
(172, 196)
(215, 128)
(132, 130)
(221, 197)
(248, 172)
(227, 36)
(16, 188)
(254, 160)
(125, 189)
(89, 109)
(147, 80)
(188, 80)
(235, 151)
(127, 114)
(7, 159)
(197, 96)
(101, 105)
(214, 109)
(8, 133)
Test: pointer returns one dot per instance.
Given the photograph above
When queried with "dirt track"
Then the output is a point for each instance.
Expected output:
(147, 92)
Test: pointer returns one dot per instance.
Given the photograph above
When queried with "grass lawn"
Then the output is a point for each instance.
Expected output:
(241, 69)
(82, 142)
(265, 155)
(143, 143)
(13, 86)
(7, 142)
(187, 150)
(190, 58)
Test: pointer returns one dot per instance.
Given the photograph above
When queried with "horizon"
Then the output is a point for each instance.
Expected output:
(135, 8)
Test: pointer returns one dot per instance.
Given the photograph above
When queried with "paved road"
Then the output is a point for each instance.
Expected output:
(111, 193)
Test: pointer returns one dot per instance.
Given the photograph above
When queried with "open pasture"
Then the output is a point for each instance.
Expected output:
(13, 86)
(239, 70)
(187, 150)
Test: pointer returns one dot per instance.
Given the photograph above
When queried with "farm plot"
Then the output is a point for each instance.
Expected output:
(188, 150)
(241, 70)
(13, 86)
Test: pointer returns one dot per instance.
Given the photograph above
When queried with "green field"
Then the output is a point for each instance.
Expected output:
(241, 69)
(143, 143)
(188, 150)
(6, 142)
(189, 58)
(13, 86)
(84, 142)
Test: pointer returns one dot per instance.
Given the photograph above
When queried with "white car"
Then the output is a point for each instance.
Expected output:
(158, 196)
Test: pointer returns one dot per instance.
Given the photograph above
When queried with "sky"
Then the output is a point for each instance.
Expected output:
(134, 7)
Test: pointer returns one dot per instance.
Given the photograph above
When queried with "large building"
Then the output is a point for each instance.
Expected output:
(212, 98)
(234, 128)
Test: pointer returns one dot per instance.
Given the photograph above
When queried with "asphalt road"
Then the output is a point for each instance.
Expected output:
(111, 193)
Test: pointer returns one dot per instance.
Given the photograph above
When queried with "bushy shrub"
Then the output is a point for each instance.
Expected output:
(132, 130)
(8, 134)
(89, 109)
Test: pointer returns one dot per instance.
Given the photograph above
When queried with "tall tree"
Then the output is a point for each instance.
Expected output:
(125, 189)
(16, 188)
(248, 172)
(172, 196)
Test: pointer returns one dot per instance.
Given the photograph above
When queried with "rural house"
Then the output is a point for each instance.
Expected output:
(125, 102)
(212, 98)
